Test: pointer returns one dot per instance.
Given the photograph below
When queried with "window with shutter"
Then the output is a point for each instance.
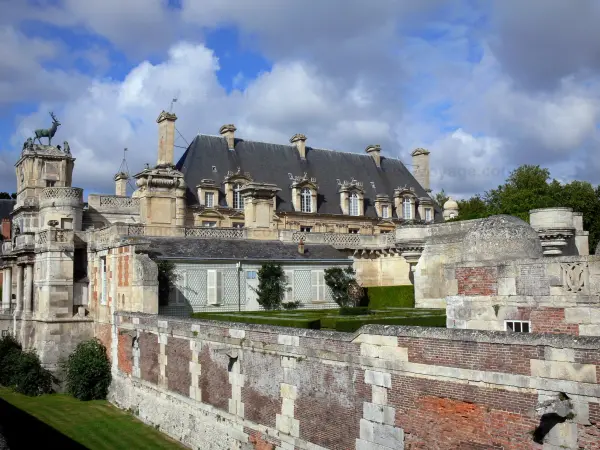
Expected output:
(289, 289)
(211, 287)
(219, 287)
(318, 285)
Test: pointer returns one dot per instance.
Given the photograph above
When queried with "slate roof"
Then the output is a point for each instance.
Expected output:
(6, 207)
(240, 250)
(208, 157)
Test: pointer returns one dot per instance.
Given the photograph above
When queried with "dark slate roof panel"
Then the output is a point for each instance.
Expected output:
(208, 157)
(6, 207)
(240, 250)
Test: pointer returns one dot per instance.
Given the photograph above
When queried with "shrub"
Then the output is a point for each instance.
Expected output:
(10, 350)
(357, 311)
(290, 305)
(271, 286)
(29, 377)
(88, 371)
(391, 296)
(342, 284)
(167, 277)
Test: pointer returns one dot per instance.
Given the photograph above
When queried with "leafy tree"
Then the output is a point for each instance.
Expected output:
(10, 349)
(473, 208)
(440, 198)
(4, 196)
(167, 277)
(339, 281)
(29, 377)
(271, 286)
(88, 371)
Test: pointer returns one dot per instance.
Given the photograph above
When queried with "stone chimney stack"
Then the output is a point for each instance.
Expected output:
(301, 247)
(420, 161)
(375, 152)
(121, 184)
(300, 141)
(166, 138)
(228, 132)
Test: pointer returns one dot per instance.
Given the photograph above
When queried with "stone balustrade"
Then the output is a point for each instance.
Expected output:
(216, 233)
(59, 236)
(116, 203)
(340, 240)
(24, 242)
(61, 196)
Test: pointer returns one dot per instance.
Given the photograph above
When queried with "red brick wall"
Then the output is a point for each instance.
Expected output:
(125, 353)
(548, 320)
(5, 229)
(104, 335)
(449, 411)
(474, 281)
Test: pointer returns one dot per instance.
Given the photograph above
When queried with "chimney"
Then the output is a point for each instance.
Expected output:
(166, 138)
(375, 152)
(301, 247)
(228, 132)
(300, 141)
(121, 184)
(420, 161)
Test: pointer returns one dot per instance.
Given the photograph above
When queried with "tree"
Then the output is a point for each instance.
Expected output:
(340, 281)
(88, 371)
(4, 195)
(440, 198)
(271, 286)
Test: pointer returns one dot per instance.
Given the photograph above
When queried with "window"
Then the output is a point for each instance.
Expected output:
(385, 211)
(517, 326)
(66, 224)
(353, 230)
(305, 229)
(251, 275)
(214, 287)
(289, 288)
(4, 333)
(354, 204)
(237, 224)
(238, 201)
(209, 223)
(385, 231)
(406, 208)
(50, 183)
(452, 215)
(209, 199)
(305, 200)
(318, 285)
(428, 214)
(103, 281)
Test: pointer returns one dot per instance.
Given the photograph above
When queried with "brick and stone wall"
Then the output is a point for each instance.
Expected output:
(223, 385)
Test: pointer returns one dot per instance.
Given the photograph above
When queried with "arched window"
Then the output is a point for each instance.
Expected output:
(306, 200)
(406, 208)
(238, 201)
(354, 211)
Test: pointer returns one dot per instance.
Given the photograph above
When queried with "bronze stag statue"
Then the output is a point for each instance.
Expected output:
(48, 132)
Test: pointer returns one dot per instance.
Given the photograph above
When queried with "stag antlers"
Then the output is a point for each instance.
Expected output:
(54, 119)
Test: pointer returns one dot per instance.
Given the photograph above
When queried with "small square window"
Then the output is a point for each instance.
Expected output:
(385, 231)
(353, 230)
(209, 224)
(237, 224)
(306, 229)
(518, 326)
(50, 183)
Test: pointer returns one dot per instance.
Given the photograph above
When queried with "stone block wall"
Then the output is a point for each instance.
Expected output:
(556, 295)
(223, 385)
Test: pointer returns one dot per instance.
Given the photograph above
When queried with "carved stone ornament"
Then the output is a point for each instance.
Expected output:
(574, 276)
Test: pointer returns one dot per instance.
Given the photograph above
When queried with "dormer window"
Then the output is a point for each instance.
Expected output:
(306, 200)
(385, 211)
(209, 199)
(353, 207)
(238, 201)
(406, 208)
(428, 214)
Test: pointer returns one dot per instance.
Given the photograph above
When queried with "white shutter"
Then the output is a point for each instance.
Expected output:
(219, 287)
(289, 289)
(211, 287)
(321, 281)
(314, 281)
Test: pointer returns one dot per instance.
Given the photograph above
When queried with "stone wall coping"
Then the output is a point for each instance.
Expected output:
(528, 261)
(558, 208)
(450, 334)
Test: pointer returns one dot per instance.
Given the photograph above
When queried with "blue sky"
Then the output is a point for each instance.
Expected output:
(484, 85)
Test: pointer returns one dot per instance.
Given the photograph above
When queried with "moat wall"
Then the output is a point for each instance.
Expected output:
(222, 386)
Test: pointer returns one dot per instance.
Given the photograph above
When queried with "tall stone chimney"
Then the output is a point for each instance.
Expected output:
(228, 132)
(300, 141)
(166, 138)
(121, 184)
(420, 162)
(375, 152)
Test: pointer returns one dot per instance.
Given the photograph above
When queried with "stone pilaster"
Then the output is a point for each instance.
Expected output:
(19, 299)
(6, 289)
(236, 378)
(162, 357)
(135, 353)
(28, 296)
(285, 422)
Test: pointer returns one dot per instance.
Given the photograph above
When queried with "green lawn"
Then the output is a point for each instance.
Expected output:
(331, 319)
(95, 425)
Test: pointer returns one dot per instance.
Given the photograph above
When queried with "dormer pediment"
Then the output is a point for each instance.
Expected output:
(405, 191)
(305, 181)
(238, 177)
(210, 213)
(351, 186)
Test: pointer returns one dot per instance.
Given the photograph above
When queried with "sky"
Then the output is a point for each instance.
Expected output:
(484, 85)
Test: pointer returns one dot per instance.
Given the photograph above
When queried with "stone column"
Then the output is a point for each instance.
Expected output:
(19, 306)
(7, 291)
(28, 298)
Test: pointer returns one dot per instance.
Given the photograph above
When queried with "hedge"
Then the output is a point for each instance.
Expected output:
(391, 296)
(312, 323)
(352, 324)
